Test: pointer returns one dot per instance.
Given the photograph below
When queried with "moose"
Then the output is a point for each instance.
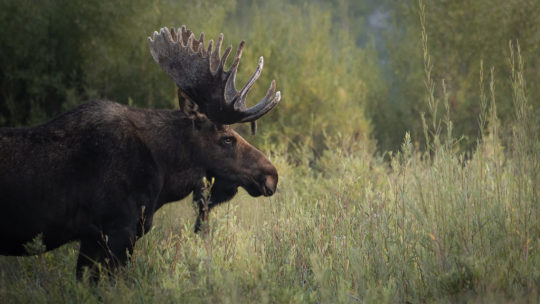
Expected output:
(98, 173)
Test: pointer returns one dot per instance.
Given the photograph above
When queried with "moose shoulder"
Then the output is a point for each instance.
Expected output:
(98, 173)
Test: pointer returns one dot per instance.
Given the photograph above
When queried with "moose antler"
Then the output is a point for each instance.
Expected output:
(200, 76)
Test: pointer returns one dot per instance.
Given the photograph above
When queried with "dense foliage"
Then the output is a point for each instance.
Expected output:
(463, 36)
(51, 62)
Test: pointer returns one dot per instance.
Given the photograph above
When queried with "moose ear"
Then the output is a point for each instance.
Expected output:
(187, 105)
(191, 109)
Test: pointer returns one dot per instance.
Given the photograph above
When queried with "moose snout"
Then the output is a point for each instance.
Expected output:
(270, 183)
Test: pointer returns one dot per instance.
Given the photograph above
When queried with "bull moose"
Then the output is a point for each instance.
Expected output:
(98, 173)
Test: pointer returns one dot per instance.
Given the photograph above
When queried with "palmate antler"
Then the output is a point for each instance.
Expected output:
(200, 76)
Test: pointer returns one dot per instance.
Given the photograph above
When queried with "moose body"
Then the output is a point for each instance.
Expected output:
(98, 173)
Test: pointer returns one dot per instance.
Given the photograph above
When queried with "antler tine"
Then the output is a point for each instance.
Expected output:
(268, 105)
(190, 44)
(215, 57)
(201, 49)
(264, 106)
(236, 61)
(230, 87)
(180, 34)
(240, 102)
(174, 35)
(210, 45)
(224, 58)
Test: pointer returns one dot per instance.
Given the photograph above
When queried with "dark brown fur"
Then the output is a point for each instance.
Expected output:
(88, 175)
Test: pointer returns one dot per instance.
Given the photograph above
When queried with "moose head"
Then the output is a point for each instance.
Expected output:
(207, 93)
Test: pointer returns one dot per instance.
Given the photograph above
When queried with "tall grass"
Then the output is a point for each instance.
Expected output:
(426, 226)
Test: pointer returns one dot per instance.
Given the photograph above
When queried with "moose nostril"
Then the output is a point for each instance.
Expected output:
(270, 184)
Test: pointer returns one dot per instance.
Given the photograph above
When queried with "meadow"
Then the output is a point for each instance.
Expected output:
(429, 222)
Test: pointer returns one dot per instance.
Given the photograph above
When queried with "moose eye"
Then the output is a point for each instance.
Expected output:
(229, 140)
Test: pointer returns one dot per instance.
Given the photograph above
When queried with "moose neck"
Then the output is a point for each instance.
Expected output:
(170, 136)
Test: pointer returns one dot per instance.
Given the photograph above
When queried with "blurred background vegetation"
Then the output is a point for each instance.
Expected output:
(344, 67)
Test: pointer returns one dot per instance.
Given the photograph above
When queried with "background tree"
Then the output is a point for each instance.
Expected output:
(344, 67)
